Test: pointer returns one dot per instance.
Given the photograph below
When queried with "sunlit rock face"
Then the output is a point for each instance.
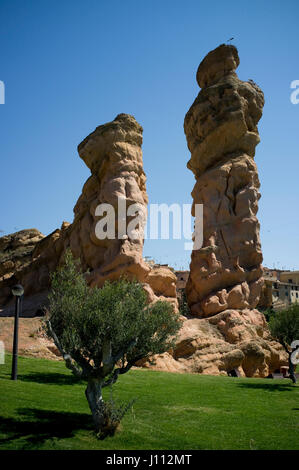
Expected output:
(226, 331)
(114, 156)
(225, 279)
(221, 132)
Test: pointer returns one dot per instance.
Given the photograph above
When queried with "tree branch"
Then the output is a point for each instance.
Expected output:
(108, 360)
(113, 379)
(68, 359)
(87, 369)
(121, 353)
(121, 370)
(285, 346)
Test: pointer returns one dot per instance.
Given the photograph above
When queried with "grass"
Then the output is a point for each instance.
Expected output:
(47, 409)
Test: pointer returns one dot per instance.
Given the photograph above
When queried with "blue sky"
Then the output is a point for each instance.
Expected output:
(71, 65)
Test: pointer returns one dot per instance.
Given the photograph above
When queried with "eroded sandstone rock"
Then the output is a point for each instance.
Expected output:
(225, 274)
(219, 344)
(113, 154)
(16, 250)
(225, 278)
(221, 131)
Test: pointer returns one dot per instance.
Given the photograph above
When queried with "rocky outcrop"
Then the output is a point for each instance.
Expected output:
(223, 289)
(219, 344)
(32, 340)
(221, 131)
(225, 278)
(266, 300)
(16, 250)
(114, 156)
(34, 273)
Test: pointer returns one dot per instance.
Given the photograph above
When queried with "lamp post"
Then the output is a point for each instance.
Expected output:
(18, 292)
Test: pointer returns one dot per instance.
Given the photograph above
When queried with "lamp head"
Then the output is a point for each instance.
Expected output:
(17, 290)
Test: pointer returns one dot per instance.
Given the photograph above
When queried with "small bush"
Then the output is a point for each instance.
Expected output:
(113, 414)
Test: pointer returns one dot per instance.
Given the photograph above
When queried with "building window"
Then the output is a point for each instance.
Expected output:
(290, 281)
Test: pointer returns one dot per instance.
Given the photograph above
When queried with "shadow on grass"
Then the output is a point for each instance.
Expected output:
(50, 378)
(34, 426)
(285, 387)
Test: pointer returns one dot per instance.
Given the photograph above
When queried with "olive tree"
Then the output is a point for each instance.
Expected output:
(102, 332)
(284, 326)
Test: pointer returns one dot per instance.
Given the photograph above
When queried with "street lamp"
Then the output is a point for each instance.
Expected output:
(18, 292)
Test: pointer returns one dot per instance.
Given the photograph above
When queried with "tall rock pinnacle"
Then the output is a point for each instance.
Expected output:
(114, 156)
(221, 131)
(226, 332)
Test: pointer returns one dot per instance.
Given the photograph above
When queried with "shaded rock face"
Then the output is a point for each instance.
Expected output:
(16, 250)
(113, 154)
(265, 300)
(221, 131)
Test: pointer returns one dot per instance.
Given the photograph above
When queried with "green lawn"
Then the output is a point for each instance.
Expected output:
(46, 409)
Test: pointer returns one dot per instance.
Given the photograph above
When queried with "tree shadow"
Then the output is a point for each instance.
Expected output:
(270, 387)
(42, 425)
(50, 378)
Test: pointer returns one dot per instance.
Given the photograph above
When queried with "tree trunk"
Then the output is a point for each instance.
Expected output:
(94, 397)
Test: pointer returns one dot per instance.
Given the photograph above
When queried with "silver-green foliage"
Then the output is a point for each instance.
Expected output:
(102, 332)
(86, 319)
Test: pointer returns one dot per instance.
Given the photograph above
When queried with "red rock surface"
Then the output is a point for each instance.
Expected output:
(221, 131)
(225, 278)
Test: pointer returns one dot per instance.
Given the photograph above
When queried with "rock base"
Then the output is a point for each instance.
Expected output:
(233, 339)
